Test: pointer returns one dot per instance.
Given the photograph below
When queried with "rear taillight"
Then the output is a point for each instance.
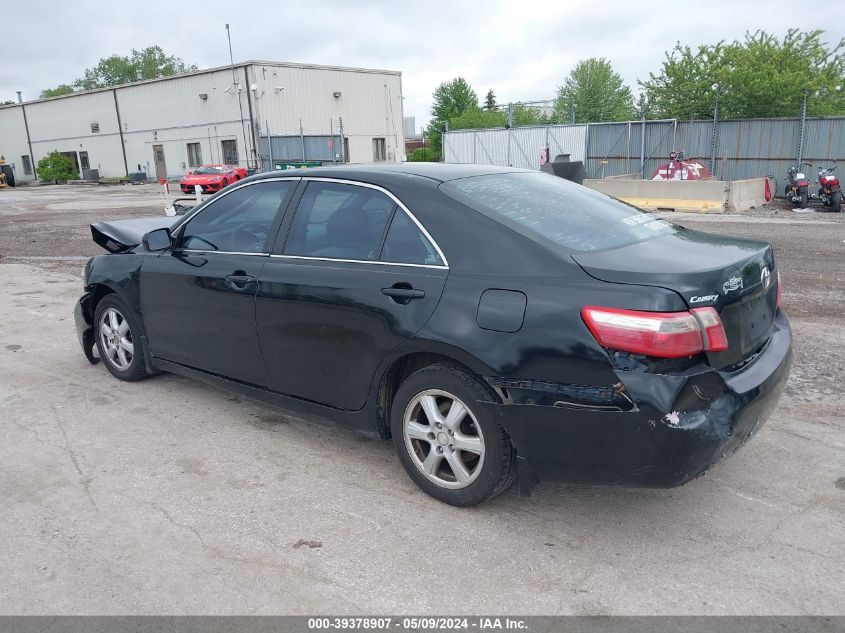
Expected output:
(778, 293)
(664, 334)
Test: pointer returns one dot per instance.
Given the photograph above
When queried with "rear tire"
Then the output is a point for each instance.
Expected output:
(836, 201)
(10, 175)
(448, 444)
(804, 198)
(119, 343)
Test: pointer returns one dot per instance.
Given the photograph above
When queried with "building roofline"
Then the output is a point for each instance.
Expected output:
(205, 71)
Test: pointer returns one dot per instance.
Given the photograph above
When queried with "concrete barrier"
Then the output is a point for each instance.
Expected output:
(701, 196)
(748, 194)
(635, 176)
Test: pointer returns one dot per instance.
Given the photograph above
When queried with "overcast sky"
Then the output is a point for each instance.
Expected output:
(522, 50)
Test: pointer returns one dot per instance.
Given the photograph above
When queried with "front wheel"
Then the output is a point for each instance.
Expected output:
(836, 201)
(448, 444)
(120, 346)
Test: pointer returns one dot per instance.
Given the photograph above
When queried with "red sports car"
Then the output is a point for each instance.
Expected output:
(211, 178)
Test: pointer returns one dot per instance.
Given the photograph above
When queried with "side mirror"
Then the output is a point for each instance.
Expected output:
(157, 240)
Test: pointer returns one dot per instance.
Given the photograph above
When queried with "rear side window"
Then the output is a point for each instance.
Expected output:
(554, 209)
(339, 221)
(406, 244)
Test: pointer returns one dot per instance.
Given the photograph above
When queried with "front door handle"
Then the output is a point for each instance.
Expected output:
(240, 280)
(403, 293)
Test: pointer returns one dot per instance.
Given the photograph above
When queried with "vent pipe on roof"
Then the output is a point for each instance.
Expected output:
(20, 97)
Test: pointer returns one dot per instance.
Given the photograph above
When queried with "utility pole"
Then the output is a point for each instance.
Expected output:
(715, 133)
(343, 156)
(237, 90)
(270, 146)
(642, 144)
(801, 134)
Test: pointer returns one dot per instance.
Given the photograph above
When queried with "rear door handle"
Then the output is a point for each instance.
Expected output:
(403, 295)
(240, 281)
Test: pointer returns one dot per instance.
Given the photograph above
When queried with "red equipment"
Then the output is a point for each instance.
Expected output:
(681, 168)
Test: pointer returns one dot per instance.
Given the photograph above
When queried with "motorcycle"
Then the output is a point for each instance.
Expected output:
(797, 186)
(830, 193)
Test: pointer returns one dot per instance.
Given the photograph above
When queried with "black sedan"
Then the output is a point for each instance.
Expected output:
(493, 322)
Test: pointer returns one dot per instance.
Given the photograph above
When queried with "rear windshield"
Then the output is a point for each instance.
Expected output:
(549, 207)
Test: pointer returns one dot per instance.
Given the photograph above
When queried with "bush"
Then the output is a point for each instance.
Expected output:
(56, 167)
(424, 154)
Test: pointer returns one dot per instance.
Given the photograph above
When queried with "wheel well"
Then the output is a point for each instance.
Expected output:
(97, 293)
(395, 376)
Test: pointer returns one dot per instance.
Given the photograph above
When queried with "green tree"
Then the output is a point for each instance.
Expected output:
(526, 115)
(55, 166)
(61, 89)
(762, 76)
(490, 101)
(451, 99)
(593, 92)
(476, 118)
(148, 63)
(424, 154)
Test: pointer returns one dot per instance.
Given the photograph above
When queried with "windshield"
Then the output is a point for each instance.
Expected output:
(554, 209)
(205, 169)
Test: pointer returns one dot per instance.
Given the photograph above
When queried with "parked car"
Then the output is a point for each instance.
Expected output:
(493, 322)
(211, 178)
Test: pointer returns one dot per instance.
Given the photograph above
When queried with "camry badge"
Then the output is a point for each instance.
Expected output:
(765, 278)
(734, 283)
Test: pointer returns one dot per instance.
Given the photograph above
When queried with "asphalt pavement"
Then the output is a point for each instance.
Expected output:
(171, 497)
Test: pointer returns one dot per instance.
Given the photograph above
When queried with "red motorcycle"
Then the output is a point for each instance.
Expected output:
(797, 186)
(829, 193)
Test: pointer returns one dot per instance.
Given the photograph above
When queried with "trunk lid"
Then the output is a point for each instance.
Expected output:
(734, 275)
(120, 236)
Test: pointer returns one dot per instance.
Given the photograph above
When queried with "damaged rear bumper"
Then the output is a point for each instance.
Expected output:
(679, 427)
(83, 317)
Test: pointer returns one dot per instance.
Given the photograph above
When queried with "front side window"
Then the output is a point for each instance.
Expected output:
(238, 221)
(566, 214)
(339, 221)
(406, 244)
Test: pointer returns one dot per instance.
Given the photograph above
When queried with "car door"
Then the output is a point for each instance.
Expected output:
(198, 298)
(352, 276)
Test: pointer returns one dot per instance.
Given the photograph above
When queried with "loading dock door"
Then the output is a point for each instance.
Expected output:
(158, 157)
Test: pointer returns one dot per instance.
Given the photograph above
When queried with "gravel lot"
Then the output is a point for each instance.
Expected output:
(167, 496)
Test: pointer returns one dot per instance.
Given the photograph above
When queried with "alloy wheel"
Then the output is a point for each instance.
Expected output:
(443, 438)
(116, 339)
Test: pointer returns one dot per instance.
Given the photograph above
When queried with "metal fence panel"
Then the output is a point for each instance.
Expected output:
(515, 147)
(824, 140)
(743, 149)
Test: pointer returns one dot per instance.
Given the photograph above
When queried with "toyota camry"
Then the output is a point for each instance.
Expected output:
(494, 323)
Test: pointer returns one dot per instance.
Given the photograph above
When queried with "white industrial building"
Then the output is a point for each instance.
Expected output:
(221, 115)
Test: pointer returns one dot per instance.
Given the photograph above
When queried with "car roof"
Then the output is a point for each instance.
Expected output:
(441, 172)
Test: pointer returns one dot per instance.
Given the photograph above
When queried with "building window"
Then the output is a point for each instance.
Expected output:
(27, 165)
(194, 155)
(95, 128)
(379, 153)
(230, 151)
